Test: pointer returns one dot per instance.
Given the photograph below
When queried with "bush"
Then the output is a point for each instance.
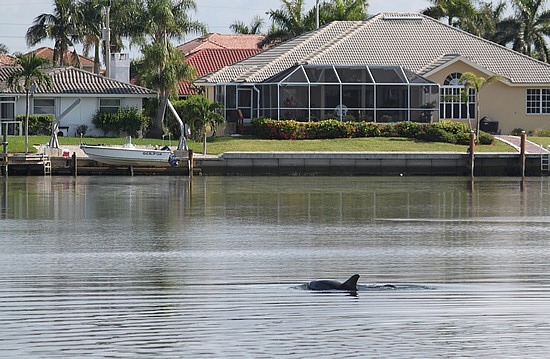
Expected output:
(517, 131)
(540, 133)
(407, 129)
(485, 138)
(445, 131)
(81, 130)
(129, 120)
(38, 124)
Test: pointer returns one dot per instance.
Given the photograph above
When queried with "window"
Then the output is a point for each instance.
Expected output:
(453, 79)
(109, 104)
(44, 106)
(452, 103)
(538, 101)
(7, 108)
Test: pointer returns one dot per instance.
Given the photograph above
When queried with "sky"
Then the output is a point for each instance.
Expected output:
(17, 16)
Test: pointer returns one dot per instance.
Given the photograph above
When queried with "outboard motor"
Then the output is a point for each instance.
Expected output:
(173, 161)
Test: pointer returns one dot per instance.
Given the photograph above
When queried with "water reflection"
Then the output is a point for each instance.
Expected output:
(173, 267)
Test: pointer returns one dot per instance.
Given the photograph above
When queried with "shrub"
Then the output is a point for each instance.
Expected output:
(81, 130)
(38, 124)
(367, 129)
(433, 133)
(129, 120)
(540, 133)
(485, 138)
(517, 131)
(407, 129)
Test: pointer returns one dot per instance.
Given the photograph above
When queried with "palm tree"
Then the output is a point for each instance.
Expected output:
(343, 10)
(477, 83)
(292, 20)
(90, 23)
(27, 74)
(484, 20)
(156, 21)
(61, 26)
(201, 114)
(455, 11)
(527, 29)
(289, 21)
(255, 27)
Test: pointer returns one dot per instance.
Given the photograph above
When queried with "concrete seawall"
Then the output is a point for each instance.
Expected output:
(365, 164)
(309, 164)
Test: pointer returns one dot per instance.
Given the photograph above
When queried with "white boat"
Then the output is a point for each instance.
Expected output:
(129, 155)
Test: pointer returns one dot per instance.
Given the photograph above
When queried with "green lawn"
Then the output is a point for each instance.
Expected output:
(545, 141)
(223, 144)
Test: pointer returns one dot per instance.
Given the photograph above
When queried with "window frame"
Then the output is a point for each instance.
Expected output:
(46, 107)
(110, 108)
(537, 101)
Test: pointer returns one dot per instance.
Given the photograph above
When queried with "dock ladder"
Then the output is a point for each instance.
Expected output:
(47, 162)
(545, 161)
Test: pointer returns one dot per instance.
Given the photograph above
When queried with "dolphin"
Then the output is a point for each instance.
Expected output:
(326, 284)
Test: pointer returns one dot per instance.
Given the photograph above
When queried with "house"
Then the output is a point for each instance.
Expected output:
(97, 93)
(69, 58)
(214, 51)
(384, 69)
(6, 60)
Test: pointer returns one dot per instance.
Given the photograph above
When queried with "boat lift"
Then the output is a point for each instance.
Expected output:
(54, 142)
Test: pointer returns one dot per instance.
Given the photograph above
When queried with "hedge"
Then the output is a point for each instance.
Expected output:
(444, 131)
(38, 124)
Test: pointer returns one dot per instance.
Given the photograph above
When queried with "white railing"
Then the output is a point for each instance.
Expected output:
(11, 130)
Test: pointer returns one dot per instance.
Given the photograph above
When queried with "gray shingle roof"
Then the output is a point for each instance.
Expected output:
(70, 80)
(414, 41)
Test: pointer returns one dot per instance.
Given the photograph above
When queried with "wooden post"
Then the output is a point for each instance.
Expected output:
(471, 150)
(5, 152)
(190, 162)
(522, 153)
(75, 167)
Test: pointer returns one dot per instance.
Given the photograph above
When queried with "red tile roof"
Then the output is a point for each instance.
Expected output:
(221, 41)
(209, 60)
(6, 59)
(47, 53)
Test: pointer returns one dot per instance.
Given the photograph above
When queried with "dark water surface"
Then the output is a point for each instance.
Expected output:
(165, 267)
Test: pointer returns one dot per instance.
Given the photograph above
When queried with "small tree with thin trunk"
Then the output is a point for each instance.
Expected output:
(28, 73)
(201, 114)
(471, 81)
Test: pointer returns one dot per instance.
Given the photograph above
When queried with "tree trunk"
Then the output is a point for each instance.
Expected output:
(27, 105)
(96, 57)
(204, 143)
(156, 130)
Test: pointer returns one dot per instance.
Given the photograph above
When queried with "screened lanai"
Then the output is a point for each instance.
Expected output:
(307, 92)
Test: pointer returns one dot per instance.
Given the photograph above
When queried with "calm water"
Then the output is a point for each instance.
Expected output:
(164, 267)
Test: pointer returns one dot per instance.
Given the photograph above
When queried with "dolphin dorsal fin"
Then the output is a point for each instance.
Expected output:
(351, 283)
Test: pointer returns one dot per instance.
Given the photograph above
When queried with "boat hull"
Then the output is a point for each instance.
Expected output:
(123, 156)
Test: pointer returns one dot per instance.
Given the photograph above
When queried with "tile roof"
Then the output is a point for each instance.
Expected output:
(47, 53)
(209, 60)
(70, 80)
(221, 41)
(6, 59)
(414, 41)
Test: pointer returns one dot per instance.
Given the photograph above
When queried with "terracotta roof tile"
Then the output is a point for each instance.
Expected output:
(414, 41)
(209, 60)
(221, 41)
(47, 53)
(6, 60)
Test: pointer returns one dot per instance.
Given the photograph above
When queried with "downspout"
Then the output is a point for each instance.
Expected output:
(257, 100)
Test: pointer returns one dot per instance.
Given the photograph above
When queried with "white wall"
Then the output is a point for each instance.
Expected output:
(82, 114)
